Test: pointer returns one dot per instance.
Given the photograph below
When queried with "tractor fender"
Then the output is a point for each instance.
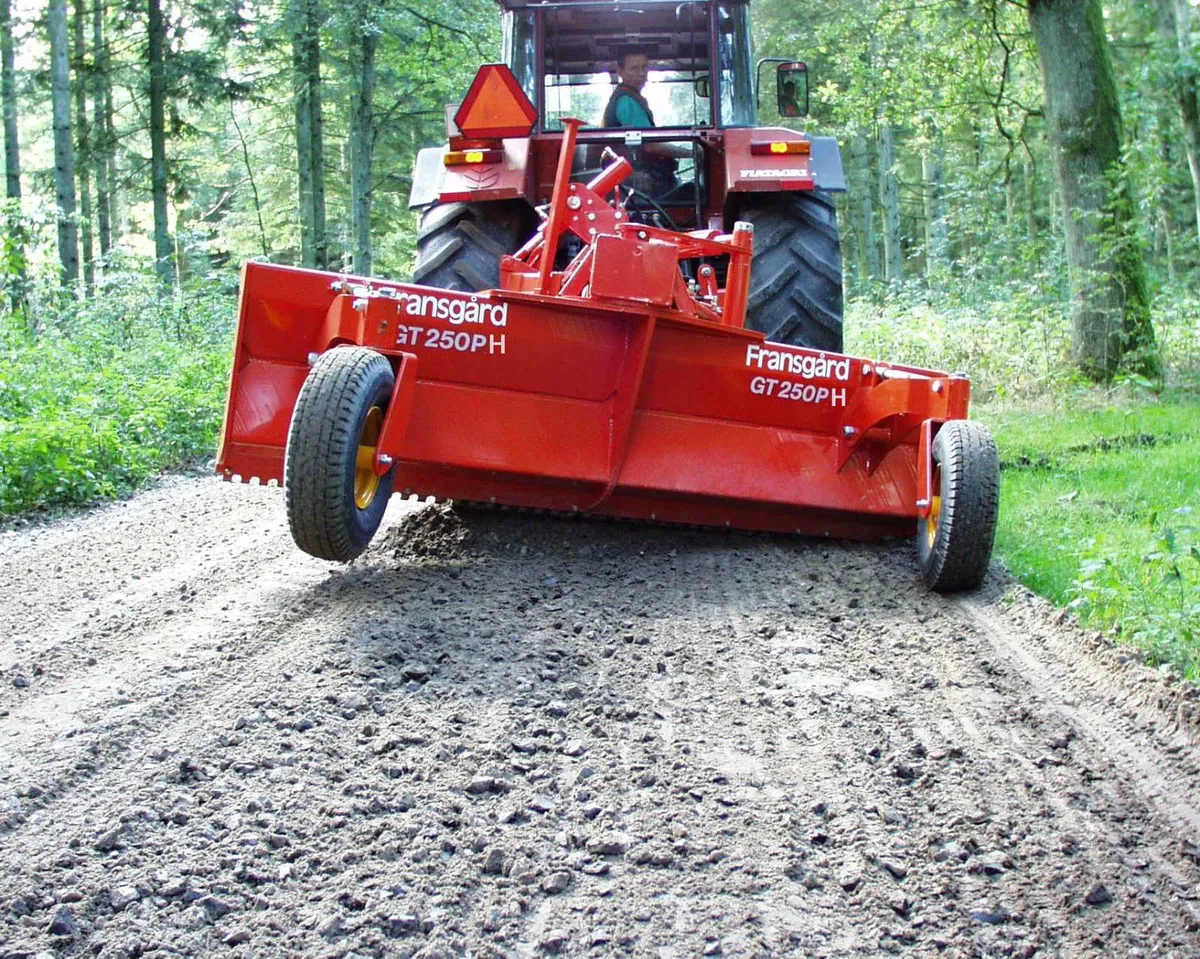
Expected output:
(747, 172)
(509, 179)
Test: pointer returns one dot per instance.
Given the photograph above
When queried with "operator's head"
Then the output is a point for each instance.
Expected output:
(789, 89)
(634, 67)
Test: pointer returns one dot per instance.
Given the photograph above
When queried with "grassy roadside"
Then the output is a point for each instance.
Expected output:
(1100, 512)
(109, 396)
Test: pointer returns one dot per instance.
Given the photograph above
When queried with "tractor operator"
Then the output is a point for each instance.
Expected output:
(653, 163)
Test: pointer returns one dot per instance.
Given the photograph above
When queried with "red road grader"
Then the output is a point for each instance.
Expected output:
(622, 382)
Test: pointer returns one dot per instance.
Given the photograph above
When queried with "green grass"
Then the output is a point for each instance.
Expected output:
(106, 396)
(1100, 512)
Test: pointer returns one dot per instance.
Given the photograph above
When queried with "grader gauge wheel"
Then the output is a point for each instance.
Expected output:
(954, 542)
(335, 500)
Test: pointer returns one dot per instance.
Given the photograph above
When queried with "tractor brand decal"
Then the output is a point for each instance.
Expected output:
(819, 367)
(797, 392)
(790, 173)
(457, 311)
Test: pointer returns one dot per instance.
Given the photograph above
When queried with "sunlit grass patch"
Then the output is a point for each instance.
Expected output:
(1100, 512)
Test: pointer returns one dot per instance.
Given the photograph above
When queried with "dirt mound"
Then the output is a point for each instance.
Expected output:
(436, 531)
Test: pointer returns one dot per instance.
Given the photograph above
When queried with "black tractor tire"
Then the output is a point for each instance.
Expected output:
(340, 404)
(796, 281)
(459, 245)
(954, 543)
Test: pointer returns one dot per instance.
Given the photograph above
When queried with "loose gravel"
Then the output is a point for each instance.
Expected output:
(501, 734)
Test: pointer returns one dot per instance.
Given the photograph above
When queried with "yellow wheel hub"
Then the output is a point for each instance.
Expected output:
(935, 508)
(366, 480)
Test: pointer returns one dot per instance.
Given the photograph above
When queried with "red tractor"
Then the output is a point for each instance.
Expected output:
(704, 163)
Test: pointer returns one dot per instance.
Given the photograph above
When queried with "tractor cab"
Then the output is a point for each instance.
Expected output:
(567, 58)
(700, 160)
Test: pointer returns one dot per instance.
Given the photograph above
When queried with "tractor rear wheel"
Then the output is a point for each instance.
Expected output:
(796, 281)
(459, 245)
(335, 500)
(954, 543)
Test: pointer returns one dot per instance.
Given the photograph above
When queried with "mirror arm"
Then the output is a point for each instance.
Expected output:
(758, 76)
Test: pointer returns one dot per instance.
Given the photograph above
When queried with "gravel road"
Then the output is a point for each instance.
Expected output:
(503, 734)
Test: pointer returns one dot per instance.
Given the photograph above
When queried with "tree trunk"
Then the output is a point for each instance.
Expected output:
(304, 158)
(83, 147)
(889, 199)
(64, 148)
(362, 145)
(1030, 174)
(310, 149)
(1010, 216)
(936, 238)
(110, 143)
(101, 149)
(14, 225)
(1164, 219)
(8, 91)
(1111, 309)
(320, 238)
(1174, 24)
(262, 230)
(158, 145)
(868, 246)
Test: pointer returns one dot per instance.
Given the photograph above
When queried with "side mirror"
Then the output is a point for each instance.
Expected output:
(791, 89)
(703, 86)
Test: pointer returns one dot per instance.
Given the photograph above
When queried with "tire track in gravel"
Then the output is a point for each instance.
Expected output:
(510, 735)
(1079, 691)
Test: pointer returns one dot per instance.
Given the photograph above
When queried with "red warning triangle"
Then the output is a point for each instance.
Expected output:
(495, 106)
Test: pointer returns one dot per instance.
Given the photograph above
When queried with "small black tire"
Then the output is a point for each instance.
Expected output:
(340, 404)
(954, 543)
(459, 245)
(796, 278)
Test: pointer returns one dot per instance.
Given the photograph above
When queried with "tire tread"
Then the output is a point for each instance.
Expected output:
(322, 442)
(970, 508)
(796, 280)
(459, 245)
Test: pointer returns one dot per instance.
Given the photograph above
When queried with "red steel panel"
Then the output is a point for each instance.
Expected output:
(572, 403)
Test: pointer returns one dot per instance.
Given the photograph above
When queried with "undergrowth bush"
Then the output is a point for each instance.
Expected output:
(1013, 343)
(110, 390)
(1154, 603)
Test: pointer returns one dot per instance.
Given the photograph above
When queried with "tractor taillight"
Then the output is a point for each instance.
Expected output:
(462, 157)
(780, 147)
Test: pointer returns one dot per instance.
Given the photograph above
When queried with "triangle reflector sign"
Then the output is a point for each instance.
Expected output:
(495, 106)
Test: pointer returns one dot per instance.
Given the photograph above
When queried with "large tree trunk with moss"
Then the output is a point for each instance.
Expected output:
(1111, 308)
(64, 148)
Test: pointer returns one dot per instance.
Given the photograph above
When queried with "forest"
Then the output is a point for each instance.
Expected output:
(1023, 204)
